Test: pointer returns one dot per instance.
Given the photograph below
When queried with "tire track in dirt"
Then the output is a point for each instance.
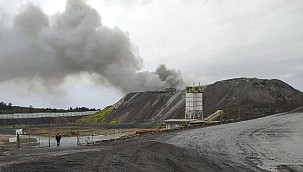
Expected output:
(270, 143)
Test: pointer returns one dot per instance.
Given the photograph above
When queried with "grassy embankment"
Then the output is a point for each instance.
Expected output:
(98, 118)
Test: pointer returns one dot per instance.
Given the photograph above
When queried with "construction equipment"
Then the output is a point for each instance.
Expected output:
(214, 116)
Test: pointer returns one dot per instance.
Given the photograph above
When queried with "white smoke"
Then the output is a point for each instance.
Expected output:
(49, 49)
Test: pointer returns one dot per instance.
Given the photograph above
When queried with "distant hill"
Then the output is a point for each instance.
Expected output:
(240, 98)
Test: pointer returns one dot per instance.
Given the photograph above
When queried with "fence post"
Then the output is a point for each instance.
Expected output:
(18, 141)
(92, 137)
(49, 145)
(78, 138)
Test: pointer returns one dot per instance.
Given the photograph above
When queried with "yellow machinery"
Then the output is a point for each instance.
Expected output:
(214, 116)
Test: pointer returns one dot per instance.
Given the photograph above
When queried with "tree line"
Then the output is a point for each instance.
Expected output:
(9, 108)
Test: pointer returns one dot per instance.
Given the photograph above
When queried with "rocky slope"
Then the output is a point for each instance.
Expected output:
(241, 98)
(147, 107)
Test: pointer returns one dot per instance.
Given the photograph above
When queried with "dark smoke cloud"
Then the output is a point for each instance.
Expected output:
(39, 47)
(171, 76)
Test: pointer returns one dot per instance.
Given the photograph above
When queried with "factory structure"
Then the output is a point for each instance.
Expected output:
(194, 103)
(193, 114)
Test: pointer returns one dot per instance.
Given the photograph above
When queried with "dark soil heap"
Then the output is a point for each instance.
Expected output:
(241, 98)
(147, 107)
(247, 98)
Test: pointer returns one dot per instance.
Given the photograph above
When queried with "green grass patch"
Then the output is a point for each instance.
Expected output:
(114, 121)
(3, 139)
(97, 117)
(27, 140)
(160, 125)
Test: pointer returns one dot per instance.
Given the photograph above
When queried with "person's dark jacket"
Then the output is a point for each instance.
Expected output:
(58, 137)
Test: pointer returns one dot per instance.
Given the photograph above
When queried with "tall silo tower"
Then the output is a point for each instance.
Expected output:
(194, 103)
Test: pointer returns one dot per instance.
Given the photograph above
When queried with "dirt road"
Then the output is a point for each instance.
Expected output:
(273, 143)
(129, 155)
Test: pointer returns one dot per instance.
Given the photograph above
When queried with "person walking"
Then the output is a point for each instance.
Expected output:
(58, 138)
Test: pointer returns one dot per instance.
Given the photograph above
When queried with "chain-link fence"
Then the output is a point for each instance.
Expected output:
(86, 137)
(72, 138)
(44, 140)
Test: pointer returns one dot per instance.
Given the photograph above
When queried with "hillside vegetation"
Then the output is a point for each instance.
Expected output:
(98, 117)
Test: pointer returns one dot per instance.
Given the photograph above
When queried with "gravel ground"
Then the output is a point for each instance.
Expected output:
(130, 155)
(272, 143)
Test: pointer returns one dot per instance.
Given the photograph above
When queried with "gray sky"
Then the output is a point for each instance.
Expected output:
(206, 40)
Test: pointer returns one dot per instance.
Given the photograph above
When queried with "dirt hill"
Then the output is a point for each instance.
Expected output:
(241, 98)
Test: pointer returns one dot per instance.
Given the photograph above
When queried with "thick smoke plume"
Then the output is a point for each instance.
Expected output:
(37, 46)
